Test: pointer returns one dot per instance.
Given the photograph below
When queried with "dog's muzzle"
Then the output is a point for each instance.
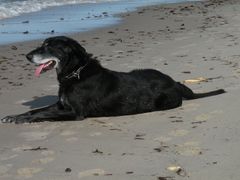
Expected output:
(44, 63)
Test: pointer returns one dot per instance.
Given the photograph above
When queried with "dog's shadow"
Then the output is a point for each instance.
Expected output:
(41, 102)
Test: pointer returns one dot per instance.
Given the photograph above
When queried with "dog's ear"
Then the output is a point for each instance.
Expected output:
(78, 47)
(75, 47)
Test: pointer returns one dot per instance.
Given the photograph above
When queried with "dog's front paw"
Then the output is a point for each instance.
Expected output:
(9, 119)
(17, 119)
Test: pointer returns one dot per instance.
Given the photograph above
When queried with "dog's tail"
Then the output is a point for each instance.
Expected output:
(187, 93)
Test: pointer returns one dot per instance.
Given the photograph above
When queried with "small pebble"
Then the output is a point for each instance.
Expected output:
(68, 170)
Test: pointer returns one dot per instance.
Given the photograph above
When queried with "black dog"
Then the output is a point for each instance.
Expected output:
(89, 90)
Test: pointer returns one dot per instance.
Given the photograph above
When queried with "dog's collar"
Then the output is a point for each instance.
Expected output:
(76, 74)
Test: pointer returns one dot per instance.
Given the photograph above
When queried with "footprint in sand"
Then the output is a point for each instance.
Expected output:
(207, 116)
(48, 153)
(49, 157)
(162, 139)
(8, 157)
(190, 148)
(203, 117)
(34, 135)
(4, 169)
(174, 133)
(67, 133)
(91, 172)
(43, 161)
(179, 132)
(27, 172)
(190, 107)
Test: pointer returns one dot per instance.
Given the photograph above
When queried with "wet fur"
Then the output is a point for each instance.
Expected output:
(100, 91)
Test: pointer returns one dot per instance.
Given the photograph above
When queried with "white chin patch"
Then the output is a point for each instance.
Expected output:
(45, 64)
(40, 60)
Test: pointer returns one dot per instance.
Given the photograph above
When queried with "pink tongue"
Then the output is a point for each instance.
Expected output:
(39, 69)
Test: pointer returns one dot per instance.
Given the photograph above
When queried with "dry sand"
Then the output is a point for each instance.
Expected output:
(197, 141)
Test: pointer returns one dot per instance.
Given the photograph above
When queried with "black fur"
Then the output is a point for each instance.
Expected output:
(102, 92)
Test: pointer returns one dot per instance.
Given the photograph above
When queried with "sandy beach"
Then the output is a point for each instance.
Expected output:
(198, 141)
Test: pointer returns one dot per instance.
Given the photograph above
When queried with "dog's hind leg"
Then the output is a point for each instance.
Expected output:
(168, 101)
(50, 113)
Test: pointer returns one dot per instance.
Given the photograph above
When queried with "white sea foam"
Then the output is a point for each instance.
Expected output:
(11, 8)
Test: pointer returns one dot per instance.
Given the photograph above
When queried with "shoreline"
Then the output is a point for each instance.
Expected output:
(53, 21)
(184, 40)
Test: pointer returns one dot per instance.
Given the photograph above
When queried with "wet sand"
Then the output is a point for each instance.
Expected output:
(197, 141)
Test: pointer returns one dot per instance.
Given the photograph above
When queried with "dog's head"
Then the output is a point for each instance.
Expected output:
(62, 53)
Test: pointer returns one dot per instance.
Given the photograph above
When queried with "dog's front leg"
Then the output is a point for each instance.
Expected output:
(50, 113)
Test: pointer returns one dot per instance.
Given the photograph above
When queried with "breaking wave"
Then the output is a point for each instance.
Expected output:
(11, 8)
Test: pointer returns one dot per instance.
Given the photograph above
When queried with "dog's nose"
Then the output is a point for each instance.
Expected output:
(29, 56)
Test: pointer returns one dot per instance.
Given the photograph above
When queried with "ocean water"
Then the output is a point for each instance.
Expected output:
(10, 8)
(23, 20)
